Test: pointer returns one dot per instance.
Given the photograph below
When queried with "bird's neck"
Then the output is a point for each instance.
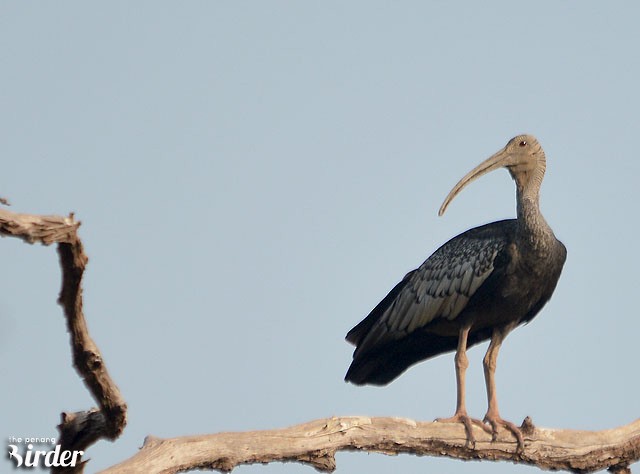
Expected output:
(533, 229)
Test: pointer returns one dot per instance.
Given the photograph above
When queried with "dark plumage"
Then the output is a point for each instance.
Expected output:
(478, 286)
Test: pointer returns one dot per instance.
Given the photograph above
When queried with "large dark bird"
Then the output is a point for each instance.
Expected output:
(480, 285)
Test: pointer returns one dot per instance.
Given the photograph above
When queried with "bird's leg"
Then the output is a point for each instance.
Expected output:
(460, 416)
(493, 415)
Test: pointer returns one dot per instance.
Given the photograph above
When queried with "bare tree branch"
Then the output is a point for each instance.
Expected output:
(77, 430)
(43, 229)
(315, 443)
(86, 355)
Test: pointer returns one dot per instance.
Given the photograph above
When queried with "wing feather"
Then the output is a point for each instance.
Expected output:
(440, 288)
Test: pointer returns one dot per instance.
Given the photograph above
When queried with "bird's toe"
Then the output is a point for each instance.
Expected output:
(497, 422)
(468, 423)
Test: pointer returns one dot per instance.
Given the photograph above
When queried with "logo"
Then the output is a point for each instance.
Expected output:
(22, 454)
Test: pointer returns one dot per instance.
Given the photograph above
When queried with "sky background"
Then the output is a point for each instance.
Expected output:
(254, 177)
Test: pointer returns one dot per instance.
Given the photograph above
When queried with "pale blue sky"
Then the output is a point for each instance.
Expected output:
(253, 177)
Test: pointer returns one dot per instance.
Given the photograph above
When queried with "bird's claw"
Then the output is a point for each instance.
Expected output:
(496, 422)
(468, 423)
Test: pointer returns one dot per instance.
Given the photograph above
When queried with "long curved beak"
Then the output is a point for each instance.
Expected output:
(499, 160)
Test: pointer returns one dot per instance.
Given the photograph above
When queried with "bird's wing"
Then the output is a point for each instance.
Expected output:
(440, 288)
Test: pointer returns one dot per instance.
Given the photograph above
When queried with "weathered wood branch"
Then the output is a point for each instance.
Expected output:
(315, 443)
(77, 430)
(38, 229)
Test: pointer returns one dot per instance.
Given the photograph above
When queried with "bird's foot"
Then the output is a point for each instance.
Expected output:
(468, 422)
(496, 422)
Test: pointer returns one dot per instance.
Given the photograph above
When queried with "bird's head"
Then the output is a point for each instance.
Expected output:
(522, 156)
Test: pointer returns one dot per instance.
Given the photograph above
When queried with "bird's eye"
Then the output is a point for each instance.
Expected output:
(522, 143)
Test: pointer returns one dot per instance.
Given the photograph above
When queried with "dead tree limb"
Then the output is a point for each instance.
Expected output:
(82, 429)
(315, 443)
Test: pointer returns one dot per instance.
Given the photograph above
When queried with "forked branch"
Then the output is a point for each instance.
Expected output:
(77, 430)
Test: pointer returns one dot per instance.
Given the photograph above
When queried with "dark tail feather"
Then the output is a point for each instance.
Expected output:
(383, 365)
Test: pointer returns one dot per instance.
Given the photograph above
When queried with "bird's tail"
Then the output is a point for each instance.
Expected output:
(383, 365)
